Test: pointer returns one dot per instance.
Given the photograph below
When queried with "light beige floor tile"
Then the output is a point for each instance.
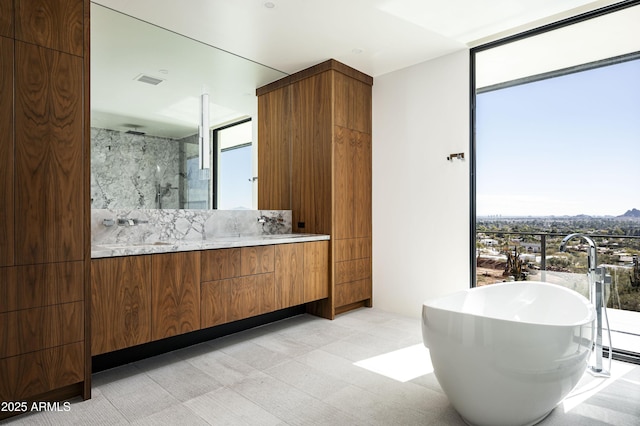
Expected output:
(226, 407)
(306, 379)
(255, 356)
(172, 416)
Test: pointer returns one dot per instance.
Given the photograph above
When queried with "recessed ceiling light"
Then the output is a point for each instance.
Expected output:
(269, 4)
(163, 71)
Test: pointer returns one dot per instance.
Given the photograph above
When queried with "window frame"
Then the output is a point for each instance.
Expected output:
(472, 101)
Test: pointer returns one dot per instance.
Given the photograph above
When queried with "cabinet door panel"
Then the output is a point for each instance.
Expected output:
(175, 293)
(352, 292)
(274, 150)
(351, 249)
(343, 183)
(6, 19)
(6, 147)
(252, 295)
(311, 154)
(353, 103)
(352, 270)
(30, 330)
(362, 185)
(316, 270)
(220, 264)
(289, 275)
(56, 24)
(215, 298)
(120, 303)
(48, 156)
(34, 286)
(38, 372)
(257, 260)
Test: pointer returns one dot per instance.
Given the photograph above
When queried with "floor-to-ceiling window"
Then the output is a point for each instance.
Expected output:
(556, 143)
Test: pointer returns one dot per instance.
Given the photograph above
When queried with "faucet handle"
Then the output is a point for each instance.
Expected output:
(601, 274)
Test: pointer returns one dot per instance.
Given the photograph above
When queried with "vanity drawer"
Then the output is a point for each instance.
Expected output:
(42, 371)
(352, 248)
(33, 286)
(220, 264)
(34, 329)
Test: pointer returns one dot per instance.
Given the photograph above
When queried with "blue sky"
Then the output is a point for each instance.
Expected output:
(563, 146)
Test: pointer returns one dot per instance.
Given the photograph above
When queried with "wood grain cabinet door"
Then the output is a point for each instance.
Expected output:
(6, 19)
(289, 275)
(175, 293)
(274, 151)
(316, 270)
(6, 149)
(256, 260)
(120, 303)
(55, 24)
(48, 155)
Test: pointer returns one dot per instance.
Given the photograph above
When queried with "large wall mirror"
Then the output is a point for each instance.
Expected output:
(146, 111)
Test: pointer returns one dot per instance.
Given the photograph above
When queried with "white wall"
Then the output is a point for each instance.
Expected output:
(420, 200)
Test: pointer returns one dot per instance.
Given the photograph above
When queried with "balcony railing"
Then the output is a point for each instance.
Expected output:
(509, 255)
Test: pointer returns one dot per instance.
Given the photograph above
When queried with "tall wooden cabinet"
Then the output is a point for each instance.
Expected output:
(314, 158)
(44, 220)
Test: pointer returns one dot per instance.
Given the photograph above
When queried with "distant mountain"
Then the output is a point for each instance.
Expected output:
(631, 213)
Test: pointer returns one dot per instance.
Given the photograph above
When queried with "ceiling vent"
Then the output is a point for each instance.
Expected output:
(135, 132)
(149, 79)
(134, 129)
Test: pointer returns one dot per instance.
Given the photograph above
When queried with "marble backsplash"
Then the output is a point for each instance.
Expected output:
(136, 226)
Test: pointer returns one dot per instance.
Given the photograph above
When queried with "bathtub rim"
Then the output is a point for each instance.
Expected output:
(591, 316)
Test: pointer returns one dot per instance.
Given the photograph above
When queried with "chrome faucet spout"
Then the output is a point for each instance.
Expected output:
(592, 253)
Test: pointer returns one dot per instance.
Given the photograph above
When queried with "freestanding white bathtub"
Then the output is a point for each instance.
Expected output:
(507, 354)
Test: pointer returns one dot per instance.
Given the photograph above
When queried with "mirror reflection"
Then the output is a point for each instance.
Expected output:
(146, 111)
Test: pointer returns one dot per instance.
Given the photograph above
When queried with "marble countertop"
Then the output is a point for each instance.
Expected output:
(99, 250)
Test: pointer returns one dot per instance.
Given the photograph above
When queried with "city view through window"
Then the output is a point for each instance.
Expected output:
(555, 156)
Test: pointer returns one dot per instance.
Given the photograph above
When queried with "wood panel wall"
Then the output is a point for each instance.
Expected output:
(44, 175)
(7, 225)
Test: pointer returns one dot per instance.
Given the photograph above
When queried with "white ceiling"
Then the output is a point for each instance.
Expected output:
(373, 36)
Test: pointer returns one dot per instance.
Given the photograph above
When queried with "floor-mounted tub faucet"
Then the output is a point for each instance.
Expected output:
(597, 278)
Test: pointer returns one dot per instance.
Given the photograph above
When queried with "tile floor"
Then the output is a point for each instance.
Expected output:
(309, 371)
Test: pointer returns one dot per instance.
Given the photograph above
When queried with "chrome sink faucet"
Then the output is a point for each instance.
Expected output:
(597, 278)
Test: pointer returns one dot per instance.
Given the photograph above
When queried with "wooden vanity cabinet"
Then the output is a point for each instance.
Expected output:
(139, 299)
(120, 303)
(236, 284)
(321, 170)
(242, 283)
